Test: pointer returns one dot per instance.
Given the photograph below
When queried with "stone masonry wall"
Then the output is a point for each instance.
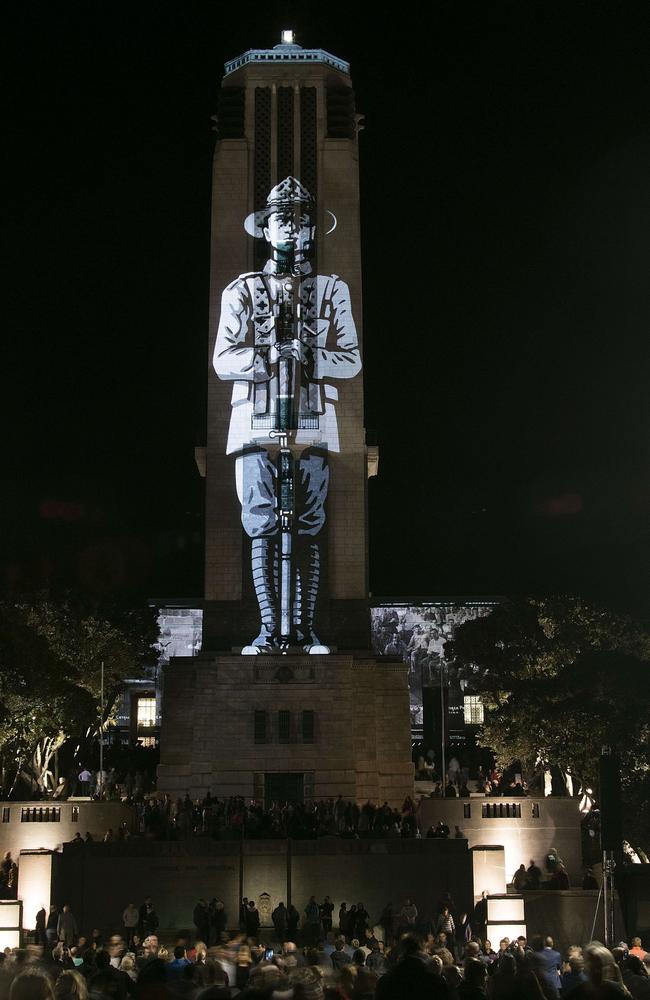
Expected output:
(361, 745)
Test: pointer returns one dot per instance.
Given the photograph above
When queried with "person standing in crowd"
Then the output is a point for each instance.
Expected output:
(479, 916)
(142, 915)
(376, 960)
(361, 922)
(174, 970)
(534, 875)
(339, 957)
(148, 918)
(603, 975)
(638, 949)
(51, 927)
(85, 778)
(150, 949)
(462, 936)
(252, 919)
(130, 919)
(201, 919)
(411, 976)
(350, 922)
(293, 919)
(279, 917)
(520, 878)
(408, 915)
(574, 975)
(550, 962)
(66, 928)
(312, 920)
(39, 926)
(473, 985)
(218, 921)
(5, 871)
(387, 922)
(445, 923)
(326, 911)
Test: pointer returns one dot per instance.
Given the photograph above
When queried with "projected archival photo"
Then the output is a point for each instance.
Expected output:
(417, 634)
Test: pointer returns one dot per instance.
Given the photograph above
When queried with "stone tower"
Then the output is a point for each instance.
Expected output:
(287, 112)
(286, 462)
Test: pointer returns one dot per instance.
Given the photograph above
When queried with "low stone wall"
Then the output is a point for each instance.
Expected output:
(543, 823)
(28, 826)
(99, 881)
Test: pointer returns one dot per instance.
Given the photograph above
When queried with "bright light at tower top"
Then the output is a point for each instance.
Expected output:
(288, 37)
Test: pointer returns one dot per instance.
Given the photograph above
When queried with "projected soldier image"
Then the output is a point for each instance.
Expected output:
(285, 336)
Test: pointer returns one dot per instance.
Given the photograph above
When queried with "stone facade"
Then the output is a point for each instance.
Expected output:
(361, 733)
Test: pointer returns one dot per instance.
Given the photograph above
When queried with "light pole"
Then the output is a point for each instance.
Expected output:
(442, 724)
(101, 734)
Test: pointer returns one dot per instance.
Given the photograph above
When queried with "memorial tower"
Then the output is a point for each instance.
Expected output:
(286, 650)
(286, 138)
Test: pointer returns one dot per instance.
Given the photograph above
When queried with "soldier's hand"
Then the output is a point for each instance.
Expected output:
(285, 349)
(309, 337)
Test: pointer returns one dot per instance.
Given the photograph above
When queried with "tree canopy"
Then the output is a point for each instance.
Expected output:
(50, 675)
(561, 679)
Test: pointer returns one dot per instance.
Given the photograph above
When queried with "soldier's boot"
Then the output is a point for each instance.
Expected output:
(306, 581)
(264, 563)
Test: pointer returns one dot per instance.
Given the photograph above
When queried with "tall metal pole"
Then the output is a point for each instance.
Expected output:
(442, 727)
(605, 901)
(608, 897)
(101, 733)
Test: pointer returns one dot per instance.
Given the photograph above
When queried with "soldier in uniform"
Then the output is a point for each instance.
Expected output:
(324, 348)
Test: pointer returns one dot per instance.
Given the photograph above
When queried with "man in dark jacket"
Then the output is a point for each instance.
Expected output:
(279, 917)
(201, 919)
(41, 920)
(550, 962)
(218, 921)
(108, 981)
(339, 956)
(412, 977)
(252, 919)
(326, 910)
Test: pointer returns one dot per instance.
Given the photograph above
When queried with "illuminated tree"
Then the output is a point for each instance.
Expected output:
(50, 674)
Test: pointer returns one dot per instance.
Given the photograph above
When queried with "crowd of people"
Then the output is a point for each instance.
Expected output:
(109, 784)
(321, 955)
(133, 788)
(235, 817)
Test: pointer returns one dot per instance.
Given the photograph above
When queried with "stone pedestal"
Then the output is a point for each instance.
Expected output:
(242, 725)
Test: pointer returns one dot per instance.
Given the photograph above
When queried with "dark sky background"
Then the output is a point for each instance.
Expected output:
(505, 177)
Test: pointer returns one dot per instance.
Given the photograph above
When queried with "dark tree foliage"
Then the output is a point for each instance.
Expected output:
(561, 679)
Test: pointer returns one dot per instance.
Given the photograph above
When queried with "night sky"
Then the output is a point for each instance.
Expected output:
(505, 178)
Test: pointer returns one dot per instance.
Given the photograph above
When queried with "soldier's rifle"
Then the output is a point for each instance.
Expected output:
(287, 330)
